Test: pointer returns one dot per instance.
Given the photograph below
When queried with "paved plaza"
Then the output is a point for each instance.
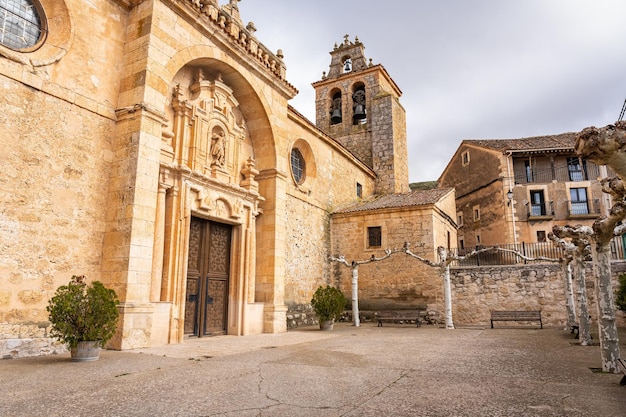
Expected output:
(395, 370)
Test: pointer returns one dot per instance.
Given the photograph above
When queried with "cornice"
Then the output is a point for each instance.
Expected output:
(229, 33)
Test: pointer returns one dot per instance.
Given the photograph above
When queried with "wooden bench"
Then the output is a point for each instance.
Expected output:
(400, 316)
(516, 316)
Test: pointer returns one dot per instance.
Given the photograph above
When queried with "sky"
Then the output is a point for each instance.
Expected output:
(468, 69)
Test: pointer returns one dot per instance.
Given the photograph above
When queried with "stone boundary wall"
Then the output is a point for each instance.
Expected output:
(300, 315)
(478, 290)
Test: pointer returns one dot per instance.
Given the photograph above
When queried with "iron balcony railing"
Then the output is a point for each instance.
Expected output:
(563, 173)
(583, 207)
(529, 250)
(545, 208)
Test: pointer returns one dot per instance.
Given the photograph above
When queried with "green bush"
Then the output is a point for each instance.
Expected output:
(328, 303)
(80, 312)
(620, 294)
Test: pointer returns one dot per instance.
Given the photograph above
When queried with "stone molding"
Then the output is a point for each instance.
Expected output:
(211, 20)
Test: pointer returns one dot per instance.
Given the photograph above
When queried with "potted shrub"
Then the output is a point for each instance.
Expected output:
(84, 317)
(328, 303)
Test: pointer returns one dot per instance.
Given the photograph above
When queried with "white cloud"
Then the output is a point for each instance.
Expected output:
(467, 68)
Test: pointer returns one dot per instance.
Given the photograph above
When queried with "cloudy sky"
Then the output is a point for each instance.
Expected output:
(468, 69)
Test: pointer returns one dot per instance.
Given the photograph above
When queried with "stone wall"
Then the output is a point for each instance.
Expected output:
(51, 222)
(475, 292)
(478, 290)
(398, 281)
(389, 148)
(307, 243)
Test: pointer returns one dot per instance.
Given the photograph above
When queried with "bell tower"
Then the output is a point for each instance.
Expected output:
(358, 104)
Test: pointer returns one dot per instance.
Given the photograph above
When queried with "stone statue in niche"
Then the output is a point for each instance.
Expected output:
(218, 150)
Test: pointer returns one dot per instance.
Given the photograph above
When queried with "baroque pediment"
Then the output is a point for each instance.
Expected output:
(209, 134)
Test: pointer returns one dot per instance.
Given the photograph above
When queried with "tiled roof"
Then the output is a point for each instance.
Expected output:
(561, 141)
(412, 199)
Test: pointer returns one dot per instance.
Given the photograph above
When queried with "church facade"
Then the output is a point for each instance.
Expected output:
(149, 144)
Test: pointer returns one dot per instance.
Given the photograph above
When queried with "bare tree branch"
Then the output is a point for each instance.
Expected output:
(604, 146)
(524, 257)
(354, 266)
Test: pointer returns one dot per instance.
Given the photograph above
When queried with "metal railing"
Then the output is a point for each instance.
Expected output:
(583, 207)
(545, 208)
(528, 250)
(562, 173)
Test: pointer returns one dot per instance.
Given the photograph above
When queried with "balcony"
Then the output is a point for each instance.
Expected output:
(540, 211)
(583, 209)
(561, 173)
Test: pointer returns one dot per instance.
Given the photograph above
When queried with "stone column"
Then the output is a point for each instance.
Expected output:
(159, 245)
(270, 270)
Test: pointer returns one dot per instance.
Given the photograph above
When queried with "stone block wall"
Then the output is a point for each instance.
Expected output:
(331, 179)
(399, 281)
(51, 221)
(307, 243)
(389, 149)
(478, 290)
(57, 118)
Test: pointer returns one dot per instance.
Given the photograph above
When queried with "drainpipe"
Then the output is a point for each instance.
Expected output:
(511, 201)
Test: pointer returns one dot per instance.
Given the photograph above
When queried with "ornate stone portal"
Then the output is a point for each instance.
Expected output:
(207, 173)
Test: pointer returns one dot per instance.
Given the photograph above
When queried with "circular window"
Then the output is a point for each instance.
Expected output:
(20, 24)
(297, 166)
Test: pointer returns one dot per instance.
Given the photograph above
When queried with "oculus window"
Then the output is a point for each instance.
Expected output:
(20, 24)
(297, 166)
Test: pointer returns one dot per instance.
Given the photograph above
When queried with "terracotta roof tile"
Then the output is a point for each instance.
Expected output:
(561, 141)
(411, 199)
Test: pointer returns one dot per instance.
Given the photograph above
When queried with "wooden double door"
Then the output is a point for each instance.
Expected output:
(208, 271)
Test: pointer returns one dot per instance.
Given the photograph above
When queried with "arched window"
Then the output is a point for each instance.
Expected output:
(359, 112)
(20, 24)
(335, 108)
(297, 166)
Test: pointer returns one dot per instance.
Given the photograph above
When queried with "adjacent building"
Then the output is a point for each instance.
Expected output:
(515, 190)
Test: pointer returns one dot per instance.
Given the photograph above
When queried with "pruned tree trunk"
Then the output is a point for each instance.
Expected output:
(445, 259)
(569, 294)
(448, 297)
(576, 249)
(606, 146)
(354, 266)
(607, 328)
(355, 297)
(584, 330)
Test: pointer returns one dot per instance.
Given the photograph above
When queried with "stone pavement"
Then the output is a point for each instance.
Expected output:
(395, 370)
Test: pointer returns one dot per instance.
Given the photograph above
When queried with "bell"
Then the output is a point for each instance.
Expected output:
(359, 112)
(335, 116)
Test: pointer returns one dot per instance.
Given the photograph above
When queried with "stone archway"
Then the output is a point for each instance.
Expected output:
(208, 171)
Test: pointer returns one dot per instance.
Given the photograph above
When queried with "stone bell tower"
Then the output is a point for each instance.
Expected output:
(358, 104)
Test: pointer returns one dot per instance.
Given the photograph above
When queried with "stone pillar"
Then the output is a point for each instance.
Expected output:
(270, 267)
(159, 244)
(129, 237)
